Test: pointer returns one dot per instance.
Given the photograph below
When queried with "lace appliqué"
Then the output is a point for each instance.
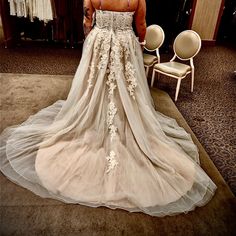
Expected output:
(112, 50)
(112, 162)
(112, 110)
(131, 79)
(129, 70)
(99, 60)
(113, 67)
(107, 26)
(114, 20)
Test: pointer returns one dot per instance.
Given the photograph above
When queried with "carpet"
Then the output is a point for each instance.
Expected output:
(211, 109)
(23, 213)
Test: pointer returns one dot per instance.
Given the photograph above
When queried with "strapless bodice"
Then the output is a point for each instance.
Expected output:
(113, 20)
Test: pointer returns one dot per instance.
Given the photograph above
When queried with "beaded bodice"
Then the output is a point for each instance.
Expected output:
(113, 20)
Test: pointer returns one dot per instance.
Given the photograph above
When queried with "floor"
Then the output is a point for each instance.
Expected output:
(211, 109)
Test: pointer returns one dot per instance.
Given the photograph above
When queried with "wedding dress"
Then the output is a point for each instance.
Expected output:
(106, 145)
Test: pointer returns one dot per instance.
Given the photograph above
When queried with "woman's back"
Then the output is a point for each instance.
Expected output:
(119, 5)
(136, 6)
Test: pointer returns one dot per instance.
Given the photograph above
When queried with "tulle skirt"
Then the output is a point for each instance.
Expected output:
(106, 145)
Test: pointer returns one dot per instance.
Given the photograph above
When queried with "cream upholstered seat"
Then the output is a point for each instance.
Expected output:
(154, 39)
(174, 68)
(186, 46)
(149, 59)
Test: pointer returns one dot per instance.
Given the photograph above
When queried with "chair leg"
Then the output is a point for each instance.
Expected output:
(153, 77)
(192, 80)
(177, 89)
(147, 70)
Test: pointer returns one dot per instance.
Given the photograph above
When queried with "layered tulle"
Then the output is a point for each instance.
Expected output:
(105, 145)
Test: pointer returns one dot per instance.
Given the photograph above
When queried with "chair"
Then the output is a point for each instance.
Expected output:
(154, 39)
(186, 46)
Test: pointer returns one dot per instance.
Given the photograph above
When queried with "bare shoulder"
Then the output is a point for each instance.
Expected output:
(95, 3)
(121, 5)
(141, 8)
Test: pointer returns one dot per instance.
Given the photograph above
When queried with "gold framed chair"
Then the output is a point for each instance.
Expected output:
(186, 46)
(154, 38)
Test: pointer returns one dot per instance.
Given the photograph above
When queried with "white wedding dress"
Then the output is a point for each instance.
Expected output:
(106, 145)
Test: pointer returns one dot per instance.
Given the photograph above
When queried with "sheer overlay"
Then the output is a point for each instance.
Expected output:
(105, 145)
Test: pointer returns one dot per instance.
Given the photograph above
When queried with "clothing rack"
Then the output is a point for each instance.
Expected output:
(65, 24)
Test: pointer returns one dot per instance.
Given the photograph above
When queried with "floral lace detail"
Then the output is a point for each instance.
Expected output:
(113, 129)
(114, 20)
(112, 110)
(129, 70)
(107, 24)
(113, 67)
(112, 162)
(130, 78)
(123, 61)
(104, 52)
(100, 59)
(111, 37)
(111, 80)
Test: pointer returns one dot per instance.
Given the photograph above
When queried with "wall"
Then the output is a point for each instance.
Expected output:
(206, 18)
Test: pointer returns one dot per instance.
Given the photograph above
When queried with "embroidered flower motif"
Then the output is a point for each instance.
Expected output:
(111, 88)
(100, 55)
(112, 52)
(107, 47)
(112, 110)
(130, 77)
(104, 52)
(106, 20)
(113, 129)
(103, 60)
(112, 162)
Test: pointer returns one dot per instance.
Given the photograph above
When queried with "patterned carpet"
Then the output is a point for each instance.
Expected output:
(210, 111)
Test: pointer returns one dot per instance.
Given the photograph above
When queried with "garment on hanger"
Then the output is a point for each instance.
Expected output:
(21, 8)
(42, 9)
(12, 7)
(29, 4)
(18, 8)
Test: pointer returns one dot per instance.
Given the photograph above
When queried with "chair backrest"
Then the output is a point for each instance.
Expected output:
(154, 37)
(187, 44)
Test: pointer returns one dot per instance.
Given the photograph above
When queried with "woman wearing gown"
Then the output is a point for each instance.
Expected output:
(105, 145)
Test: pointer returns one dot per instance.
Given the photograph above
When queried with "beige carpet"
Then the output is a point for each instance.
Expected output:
(23, 213)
